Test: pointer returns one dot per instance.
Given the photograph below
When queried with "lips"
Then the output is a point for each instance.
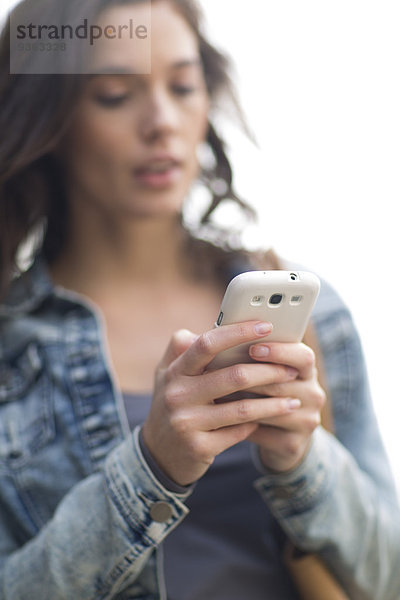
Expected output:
(157, 166)
(158, 172)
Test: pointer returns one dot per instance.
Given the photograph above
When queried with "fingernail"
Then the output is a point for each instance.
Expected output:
(294, 403)
(259, 351)
(263, 328)
(293, 373)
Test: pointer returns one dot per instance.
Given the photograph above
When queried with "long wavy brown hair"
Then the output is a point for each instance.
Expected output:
(35, 112)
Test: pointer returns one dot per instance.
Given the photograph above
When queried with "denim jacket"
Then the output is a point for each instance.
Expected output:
(81, 512)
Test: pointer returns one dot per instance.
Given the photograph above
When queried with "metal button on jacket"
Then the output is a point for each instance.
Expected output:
(161, 512)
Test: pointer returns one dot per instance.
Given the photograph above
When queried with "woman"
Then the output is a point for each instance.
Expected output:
(120, 476)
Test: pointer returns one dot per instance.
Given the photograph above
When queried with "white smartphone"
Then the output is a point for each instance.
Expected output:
(283, 298)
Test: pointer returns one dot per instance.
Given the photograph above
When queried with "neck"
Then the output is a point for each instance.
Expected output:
(143, 250)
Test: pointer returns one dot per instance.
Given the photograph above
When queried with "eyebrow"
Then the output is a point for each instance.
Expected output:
(120, 70)
(193, 62)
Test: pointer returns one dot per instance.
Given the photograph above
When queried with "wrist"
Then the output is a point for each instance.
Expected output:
(158, 472)
(274, 464)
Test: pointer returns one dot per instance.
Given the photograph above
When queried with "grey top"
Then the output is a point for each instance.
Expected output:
(217, 552)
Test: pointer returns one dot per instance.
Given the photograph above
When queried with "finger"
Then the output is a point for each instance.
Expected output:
(246, 410)
(207, 387)
(285, 422)
(299, 356)
(294, 389)
(179, 342)
(210, 343)
(300, 420)
(309, 391)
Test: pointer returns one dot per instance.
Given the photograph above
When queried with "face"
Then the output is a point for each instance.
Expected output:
(131, 150)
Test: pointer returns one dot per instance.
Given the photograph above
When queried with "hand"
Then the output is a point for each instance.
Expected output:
(185, 429)
(284, 440)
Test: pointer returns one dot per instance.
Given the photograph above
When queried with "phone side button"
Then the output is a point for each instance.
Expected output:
(220, 317)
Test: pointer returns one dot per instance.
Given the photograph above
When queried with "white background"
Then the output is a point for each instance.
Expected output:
(320, 85)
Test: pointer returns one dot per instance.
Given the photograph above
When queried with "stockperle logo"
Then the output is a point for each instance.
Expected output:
(82, 47)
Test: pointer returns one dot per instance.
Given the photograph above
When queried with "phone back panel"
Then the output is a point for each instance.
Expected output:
(283, 298)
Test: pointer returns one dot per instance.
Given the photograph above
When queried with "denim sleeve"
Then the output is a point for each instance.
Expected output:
(341, 501)
(101, 536)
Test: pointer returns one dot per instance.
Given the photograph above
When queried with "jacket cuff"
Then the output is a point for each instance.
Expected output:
(147, 507)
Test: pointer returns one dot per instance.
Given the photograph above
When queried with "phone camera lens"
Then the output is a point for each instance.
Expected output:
(275, 299)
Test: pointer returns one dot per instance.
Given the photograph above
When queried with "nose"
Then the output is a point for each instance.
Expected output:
(159, 116)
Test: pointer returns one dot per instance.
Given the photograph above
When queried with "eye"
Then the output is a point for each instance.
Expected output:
(112, 101)
(183, 90)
